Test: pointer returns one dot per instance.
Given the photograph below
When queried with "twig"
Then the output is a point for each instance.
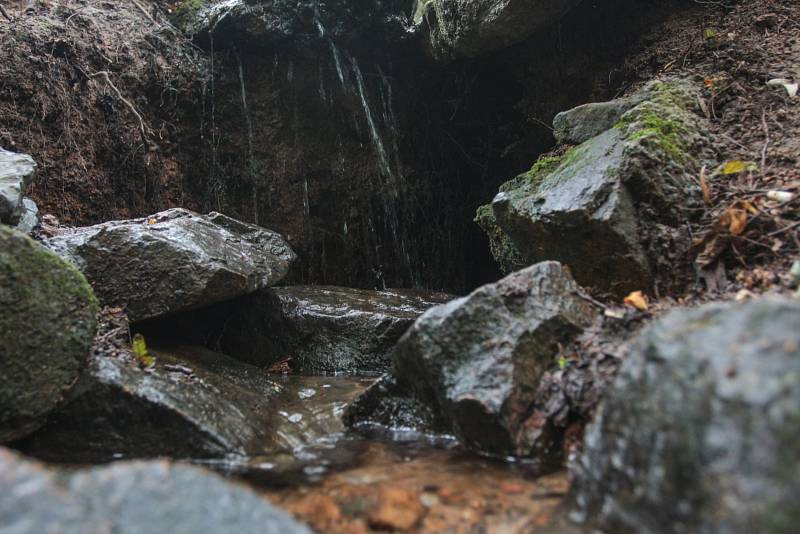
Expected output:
(784, 229)
(144, 11)
(766, 139)
(590, 300)
(3, 12)
(104, 74)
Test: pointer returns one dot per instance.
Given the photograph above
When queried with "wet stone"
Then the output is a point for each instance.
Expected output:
(131, 497)
(458, 29)
(613, 207)
(193, 403)
(47, 321)
(174, 260)
(471, 367)
(315, 329)
(699, 431)
(15, 174)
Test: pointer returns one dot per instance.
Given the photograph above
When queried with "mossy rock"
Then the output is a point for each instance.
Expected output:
(47, 322)
(611, 207)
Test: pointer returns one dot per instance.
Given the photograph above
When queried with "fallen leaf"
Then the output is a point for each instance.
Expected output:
(790, 87)
(151, 221)
(780, 196)
(734, 220)
(735, 166)
(709, 33)
(637, 300)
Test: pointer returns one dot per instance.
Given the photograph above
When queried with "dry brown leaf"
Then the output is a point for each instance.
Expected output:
(151, 221)
(734, 219)
(637, 300)
(715, 245)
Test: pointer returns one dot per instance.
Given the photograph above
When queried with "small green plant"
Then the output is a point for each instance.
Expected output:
(143, 356)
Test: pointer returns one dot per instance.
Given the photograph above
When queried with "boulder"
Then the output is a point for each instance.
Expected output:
(459, 29)
(699, 431)
(15, 174)
(475, 363)
(192, 403)
(29, 216)
(174, 260)
(611, 208)
(131, 497)
(47, 321)
(323, 329)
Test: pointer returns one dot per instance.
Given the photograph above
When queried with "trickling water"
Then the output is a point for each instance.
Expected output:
(249, 123)
(377, 141)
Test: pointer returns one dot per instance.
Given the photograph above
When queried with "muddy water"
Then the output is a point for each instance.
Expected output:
(339, 481)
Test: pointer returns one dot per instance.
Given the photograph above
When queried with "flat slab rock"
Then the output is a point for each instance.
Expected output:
(324, 329)
(314, 329)
(193, 403)
(131, 497)
(174, 260)
(16, 171)
(471, 367)
(699, 432)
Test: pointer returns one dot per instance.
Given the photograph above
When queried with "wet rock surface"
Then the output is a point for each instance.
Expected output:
(174, 260)
(47, 321)
(15, 174)
(699, 431)
(193, 403)
(469, 29)
(29, 216)
(130, 497)
(475, 362)
(323, 329)
(610, 208)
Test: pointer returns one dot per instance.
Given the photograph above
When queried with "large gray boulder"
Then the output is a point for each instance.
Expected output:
(611, 208)
(174, 260)
(193, 403)
(700, 432)
(471, 28)
(130, 497)
(16, 171)
(323, 329)
(47, 321)
(472, 367)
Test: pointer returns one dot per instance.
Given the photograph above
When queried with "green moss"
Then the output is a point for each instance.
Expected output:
(531, 179)
(660, 123)
(47, 322)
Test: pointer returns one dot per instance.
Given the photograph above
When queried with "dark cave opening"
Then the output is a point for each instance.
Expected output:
(372, 158)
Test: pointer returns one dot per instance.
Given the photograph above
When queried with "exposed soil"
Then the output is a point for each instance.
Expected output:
(745, 241)
(97, 92)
